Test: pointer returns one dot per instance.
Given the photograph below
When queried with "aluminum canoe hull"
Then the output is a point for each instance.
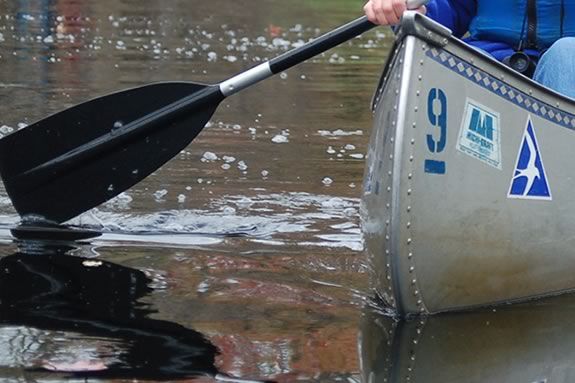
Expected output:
(468, 190)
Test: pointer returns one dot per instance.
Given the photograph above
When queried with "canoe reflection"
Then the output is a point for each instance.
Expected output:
(521, 343)
(83, 316)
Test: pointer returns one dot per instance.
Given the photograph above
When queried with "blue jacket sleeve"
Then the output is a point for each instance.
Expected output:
(454, 14)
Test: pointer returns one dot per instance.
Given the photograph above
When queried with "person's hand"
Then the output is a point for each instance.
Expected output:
(387, 12)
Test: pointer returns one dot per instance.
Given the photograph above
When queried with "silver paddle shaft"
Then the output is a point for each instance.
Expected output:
(296, 56)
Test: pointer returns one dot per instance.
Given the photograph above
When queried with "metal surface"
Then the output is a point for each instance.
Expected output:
(461, 235)
(245, 79)
(521, 343)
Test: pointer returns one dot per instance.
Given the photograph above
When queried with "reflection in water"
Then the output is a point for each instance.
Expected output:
(523, 343)
(97, 303)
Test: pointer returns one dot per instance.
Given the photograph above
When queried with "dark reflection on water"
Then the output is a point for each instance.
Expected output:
(530, 342)
(98, 303)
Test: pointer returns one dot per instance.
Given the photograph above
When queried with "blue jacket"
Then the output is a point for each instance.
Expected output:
(498, 26)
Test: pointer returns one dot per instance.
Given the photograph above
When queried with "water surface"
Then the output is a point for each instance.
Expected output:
(242, 257)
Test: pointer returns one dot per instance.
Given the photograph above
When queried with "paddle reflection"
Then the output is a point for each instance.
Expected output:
(521, 343)
(49, 298)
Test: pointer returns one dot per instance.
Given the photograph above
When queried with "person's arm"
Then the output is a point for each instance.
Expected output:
(454, 14)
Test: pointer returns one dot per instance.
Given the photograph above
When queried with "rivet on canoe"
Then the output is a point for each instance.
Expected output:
(388, 188)
(416, 293)
(412, 141)
(410, 255)
(408, 210)
(408, 225)
(413, 282)
(411, 269)
(410, 175)
(387, 222)
(414, 125)
(416, 109)
(408, 191)
(420, 77)
(410, 158)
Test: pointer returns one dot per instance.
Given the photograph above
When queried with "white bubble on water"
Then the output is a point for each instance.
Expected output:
(242, 165)
(228, 210)
(283, 75)
(327, 181)
(231, 59)
(212, 56)
(160, 194)
(330, 150)
(265, 173)
(5, 129)
(203, 287)
(181, 198)
(350, 212)
(280, 139)
(349, 147)
(188, 188)
(229, 159)
(358, 156)
(209, 156)
(226, 166)
(48, 39)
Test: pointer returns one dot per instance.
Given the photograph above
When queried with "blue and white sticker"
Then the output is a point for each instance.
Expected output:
(529, 179)
(480, 134)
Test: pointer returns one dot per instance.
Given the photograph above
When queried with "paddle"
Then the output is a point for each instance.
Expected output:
(74, 160)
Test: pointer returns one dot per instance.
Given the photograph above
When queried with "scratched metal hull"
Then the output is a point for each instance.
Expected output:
(469, 185)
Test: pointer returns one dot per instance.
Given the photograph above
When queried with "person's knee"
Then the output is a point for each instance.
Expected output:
(562, 48)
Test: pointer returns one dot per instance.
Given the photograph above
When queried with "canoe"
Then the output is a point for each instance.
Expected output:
(530, 343)
(469, 178)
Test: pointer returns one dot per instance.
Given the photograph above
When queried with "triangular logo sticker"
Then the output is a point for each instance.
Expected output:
(529, 179)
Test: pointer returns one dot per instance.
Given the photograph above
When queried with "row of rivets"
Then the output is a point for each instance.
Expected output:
(410, 190)
(387, 229)
(412, 352)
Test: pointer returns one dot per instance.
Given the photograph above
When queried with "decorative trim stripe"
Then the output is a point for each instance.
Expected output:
(502, 89)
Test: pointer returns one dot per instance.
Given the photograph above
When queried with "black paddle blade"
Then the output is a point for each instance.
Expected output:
(76, 159)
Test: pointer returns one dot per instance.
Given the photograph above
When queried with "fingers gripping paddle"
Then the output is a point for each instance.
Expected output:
(74, 160)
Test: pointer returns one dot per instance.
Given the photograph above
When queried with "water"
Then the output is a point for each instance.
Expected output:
(241, 258)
